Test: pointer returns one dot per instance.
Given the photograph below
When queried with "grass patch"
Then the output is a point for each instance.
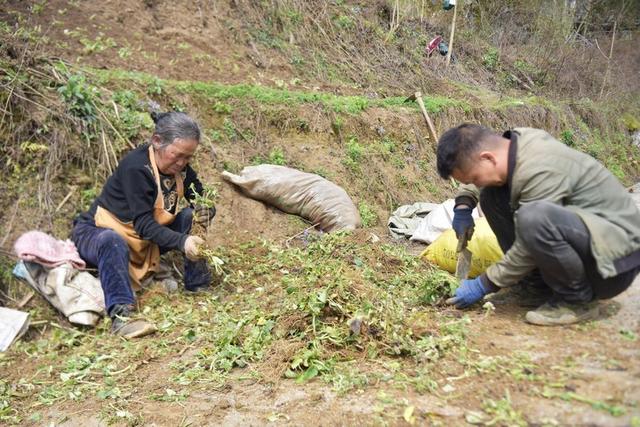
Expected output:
(355, 153)
(276, 157)
(367, 215)
(218, 93)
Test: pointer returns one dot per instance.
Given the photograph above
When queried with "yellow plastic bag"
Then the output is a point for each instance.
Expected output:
(483, 246)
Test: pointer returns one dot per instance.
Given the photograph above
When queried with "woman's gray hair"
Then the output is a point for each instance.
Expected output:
(174, 124)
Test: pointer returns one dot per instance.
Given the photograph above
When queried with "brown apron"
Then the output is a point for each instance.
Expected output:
(144, 255)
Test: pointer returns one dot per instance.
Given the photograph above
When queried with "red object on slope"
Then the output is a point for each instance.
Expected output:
(433, 45)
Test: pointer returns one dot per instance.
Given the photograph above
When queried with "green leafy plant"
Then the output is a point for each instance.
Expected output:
(99, 44)
(388, 146)
(628, 334)
(206, 198)
(367, 215)
(336, 125)
(124, 52)
(80, 97)
(344, 22)
(322, 172)
(296, 60)
(308, 364)
(7, 413)
(567, 138)
(355, 153)
(616, 169)
(38, 7)
(614, 410)
(155, 86)
(501, 412)
(87, 196)
(170, 395)
(276, 157)
(222, 108)
(214, 135)
(229, 129)
(490, 59)
(131, 119)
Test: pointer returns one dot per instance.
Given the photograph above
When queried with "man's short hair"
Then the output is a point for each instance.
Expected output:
(458, 144)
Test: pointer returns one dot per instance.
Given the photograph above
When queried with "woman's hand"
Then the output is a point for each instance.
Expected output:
(192, 247)
(203, 215)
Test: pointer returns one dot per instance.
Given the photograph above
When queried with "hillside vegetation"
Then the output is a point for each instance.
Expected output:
(320, 86)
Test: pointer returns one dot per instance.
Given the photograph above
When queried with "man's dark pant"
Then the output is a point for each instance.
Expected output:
(108, 251)
(560, 244)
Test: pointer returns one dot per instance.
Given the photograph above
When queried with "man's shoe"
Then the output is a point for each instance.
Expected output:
(123, 325)
(562, 313)
(521, 295)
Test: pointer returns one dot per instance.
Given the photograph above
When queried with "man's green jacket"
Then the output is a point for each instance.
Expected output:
(546, 169)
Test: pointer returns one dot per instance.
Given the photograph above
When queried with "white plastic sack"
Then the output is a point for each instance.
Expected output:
(13, 324)
(78, 295)
(404, 221)
(437, 222)
(308, 195)
(635, 194)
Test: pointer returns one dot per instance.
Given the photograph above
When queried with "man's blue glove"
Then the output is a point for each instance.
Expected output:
(470, 291)
(463, 221)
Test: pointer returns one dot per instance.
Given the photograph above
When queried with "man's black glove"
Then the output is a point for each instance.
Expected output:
(463, 221)
(203, 215)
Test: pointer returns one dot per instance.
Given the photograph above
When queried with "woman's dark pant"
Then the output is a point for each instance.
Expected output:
(108, 251)
(560, 244)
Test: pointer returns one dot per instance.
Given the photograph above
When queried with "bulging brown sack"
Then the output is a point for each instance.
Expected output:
(308, 195)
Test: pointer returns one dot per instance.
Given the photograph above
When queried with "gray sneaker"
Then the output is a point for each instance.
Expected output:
(122, 324)
(521, 295)
(562, 313)
(131, 328)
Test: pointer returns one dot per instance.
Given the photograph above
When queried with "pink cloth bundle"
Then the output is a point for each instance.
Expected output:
(46, 250)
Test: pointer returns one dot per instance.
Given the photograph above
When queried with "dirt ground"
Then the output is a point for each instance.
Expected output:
(594, 360)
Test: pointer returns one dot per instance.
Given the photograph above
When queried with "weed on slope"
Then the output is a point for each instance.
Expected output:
(313, 307)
